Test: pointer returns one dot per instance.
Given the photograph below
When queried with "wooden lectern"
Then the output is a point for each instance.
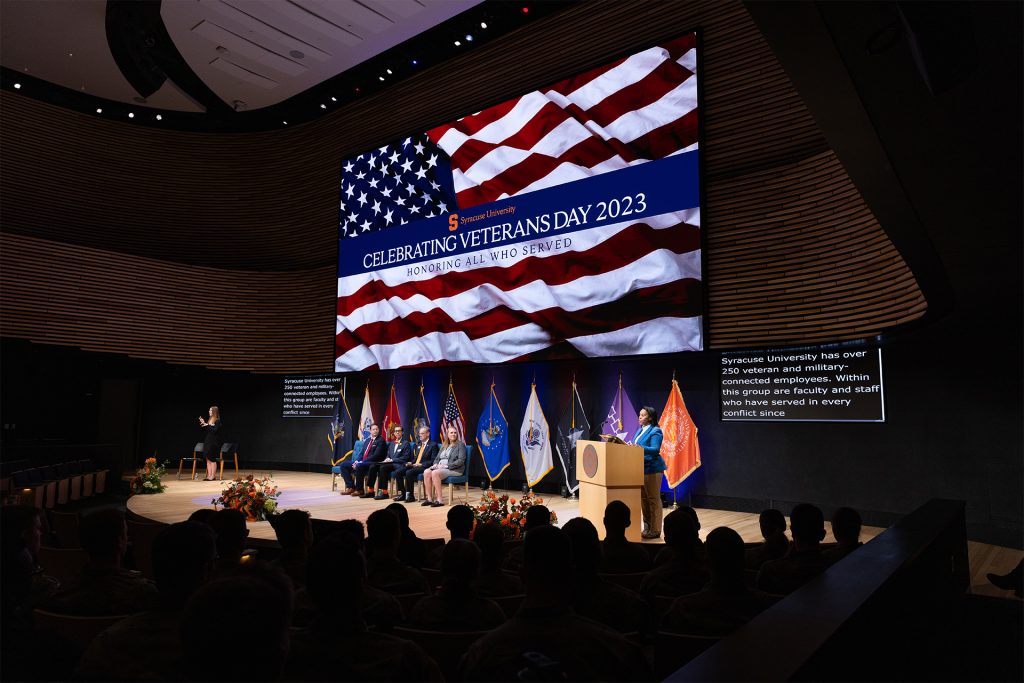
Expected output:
(607, 472)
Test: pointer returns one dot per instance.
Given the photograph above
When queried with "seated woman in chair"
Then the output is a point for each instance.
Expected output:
(450, 462)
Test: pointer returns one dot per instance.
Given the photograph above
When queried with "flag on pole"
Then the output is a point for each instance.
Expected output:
(534, 439)
(622, 420)
(391, 417)
(452, 416)
(366, 417)
(421, 418)
(679, 446)
(341, 432)
(571, 428)
(492, 437)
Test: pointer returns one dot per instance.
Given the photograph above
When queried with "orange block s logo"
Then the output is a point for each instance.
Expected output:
(453, 222)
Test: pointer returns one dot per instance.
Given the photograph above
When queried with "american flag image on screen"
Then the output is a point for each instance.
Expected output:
(633, 286)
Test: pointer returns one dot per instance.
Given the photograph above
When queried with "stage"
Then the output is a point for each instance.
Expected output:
(312, 492)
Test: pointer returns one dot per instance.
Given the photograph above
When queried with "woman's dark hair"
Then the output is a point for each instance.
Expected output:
(652, 414)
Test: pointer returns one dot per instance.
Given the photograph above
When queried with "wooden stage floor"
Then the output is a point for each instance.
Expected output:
(312, 492)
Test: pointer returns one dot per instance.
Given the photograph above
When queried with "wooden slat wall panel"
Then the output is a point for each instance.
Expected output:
(255, 214)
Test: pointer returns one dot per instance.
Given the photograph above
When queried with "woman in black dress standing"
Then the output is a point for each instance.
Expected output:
(212, 443)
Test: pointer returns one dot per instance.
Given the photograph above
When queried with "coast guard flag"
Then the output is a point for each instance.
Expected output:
(534, 440)
(492, 437)
(622, 420)
(679, 447)
(391, 417)
(635, 283)
(341, 434)
(452, 416)
(366, 417)
(421, 418)
(571, 428)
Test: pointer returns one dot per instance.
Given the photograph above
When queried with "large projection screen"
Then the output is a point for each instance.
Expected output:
(561, 224)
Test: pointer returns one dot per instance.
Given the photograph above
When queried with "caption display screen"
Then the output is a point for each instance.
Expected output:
(310, 395)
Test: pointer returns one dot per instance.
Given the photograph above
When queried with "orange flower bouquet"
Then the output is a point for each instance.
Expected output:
(508, 513)
(147, 478)
(255, 498)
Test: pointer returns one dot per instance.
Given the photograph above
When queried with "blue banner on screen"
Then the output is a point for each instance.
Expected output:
(564, 223)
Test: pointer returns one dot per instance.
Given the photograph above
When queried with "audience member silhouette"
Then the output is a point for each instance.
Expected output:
(682, 571)
(804, 560)
(104, 587)
(619, 556)
(459, 524)
(457, 607)
(411, 549)
(294, 530)
(24, 654)
(537, 516)
(595, 598)
(337, 646)
(386, 572)
(546, 640)
(668, 552)
(246, 613)
(355, 529)
(493, 581)
(1012, 580)
(846, 526)
(726, 602)
(775, 545)
(202, 515)
(231, 531)
(146, 647)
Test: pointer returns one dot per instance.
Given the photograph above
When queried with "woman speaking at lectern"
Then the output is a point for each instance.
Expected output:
(649, 438)
(212, 443)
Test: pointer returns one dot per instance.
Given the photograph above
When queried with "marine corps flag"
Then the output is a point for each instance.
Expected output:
(366, 416)
(679, 447)
(571, 428)
(341, 434)
(492, 437)
(421, 418)
(391, 417)
(535, 441)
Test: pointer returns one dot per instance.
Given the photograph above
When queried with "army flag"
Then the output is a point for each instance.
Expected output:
(366, 416)
(679, 447)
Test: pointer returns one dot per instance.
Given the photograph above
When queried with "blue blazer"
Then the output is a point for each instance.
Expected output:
(400, 453)
(651, 443)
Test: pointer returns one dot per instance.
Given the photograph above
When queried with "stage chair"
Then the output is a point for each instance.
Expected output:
(80, 631)
(197, 453)
(509, 604)
(64, 526)
(674, 650)
(226, 450)
(141, 536)
(452, 481)
(62, 564)
(444, 647)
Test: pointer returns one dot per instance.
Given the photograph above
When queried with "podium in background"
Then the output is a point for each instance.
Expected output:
(607, 472)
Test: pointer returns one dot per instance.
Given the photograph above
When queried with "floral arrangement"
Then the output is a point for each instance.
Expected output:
(508, 513)
(147, 478)
(256, 498)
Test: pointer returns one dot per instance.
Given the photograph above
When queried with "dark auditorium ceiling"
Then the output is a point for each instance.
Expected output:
(234, 65)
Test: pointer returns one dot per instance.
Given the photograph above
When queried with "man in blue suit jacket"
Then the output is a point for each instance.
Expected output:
(346, 468)
(649, 438)
(375, 451)
(398, 452)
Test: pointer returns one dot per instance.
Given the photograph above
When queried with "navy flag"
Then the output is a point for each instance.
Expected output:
(341, 434)
(571, 428)
(421, 418)
(492, 437)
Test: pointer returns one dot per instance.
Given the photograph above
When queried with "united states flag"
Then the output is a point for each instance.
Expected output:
(629, 287)
(452, 416)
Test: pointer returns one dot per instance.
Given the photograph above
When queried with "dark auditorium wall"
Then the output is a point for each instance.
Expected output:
(103, 277)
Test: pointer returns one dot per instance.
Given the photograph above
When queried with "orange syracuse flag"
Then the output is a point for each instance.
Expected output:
(679, 446)
(391, 417)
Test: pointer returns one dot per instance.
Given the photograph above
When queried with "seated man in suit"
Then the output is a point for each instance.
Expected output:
(804, 561)
(376, 451)
(347, 467)
(423, 457)
(399, 451)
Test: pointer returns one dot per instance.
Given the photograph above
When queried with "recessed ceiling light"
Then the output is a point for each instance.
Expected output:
(285, 122)
(380, 77)
(297, 54)
(415, 62)
(390, 72)
(71, 54)
(131, 115)
(99, 111)
(483, 24)
(458, 43)
(323, 106)
(469, 38)
(334, 99)
(159, 118)
(17, 86)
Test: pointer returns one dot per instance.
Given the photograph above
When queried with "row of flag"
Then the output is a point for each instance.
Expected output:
(680, 448)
